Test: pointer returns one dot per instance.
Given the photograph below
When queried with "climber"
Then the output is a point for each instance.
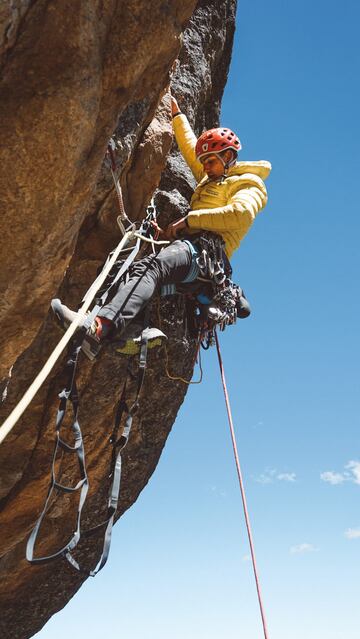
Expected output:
(228, 196)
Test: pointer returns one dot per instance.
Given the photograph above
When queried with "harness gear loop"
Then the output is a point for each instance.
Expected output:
(242, 487)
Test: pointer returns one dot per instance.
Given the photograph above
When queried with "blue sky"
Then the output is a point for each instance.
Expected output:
(178, 566)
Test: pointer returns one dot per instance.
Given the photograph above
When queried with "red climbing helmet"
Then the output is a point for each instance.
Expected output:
(216, 140)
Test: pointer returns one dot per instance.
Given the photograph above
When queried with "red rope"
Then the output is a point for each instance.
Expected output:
(242, 489)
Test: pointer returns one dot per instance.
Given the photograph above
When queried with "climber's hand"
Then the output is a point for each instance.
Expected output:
(159, 232)
(174, 106)
(172, 230)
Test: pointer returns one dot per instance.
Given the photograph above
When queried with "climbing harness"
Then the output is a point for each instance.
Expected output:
(214, 300)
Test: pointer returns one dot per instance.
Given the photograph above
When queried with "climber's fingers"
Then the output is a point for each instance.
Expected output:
(159, 232)
(172, 230)
(155, 225)
(174, 105)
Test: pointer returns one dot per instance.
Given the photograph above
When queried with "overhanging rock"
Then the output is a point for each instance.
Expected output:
(73, 73)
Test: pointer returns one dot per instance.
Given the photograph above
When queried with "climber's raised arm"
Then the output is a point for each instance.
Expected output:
(186, 140)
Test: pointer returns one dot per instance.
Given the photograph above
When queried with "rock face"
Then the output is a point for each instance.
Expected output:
(72, 75)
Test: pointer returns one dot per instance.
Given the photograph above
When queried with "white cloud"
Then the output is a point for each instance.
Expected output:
(246, 558)
(267, 477)
(332, 478)
(286, 477)
(354, 467)
(302, 548)
(352, 533)
(351, 473)
(271, 475)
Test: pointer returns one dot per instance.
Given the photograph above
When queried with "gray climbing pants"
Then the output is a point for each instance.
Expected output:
(170, 266)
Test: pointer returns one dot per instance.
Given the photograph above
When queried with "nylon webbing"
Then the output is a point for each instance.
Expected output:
(69, 393)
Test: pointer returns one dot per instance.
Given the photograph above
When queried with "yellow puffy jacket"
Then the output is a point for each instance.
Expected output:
(225, 206)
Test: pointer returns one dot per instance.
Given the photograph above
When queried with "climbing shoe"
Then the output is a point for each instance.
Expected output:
(65, 316)
(131, 346)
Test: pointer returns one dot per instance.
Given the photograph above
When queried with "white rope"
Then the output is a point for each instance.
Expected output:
(15, 415)
(151, 241)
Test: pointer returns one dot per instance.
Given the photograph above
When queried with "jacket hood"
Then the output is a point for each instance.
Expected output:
(261, 168)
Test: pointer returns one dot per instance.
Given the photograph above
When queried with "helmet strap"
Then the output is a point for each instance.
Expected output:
(219, 157)
(230, 163)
